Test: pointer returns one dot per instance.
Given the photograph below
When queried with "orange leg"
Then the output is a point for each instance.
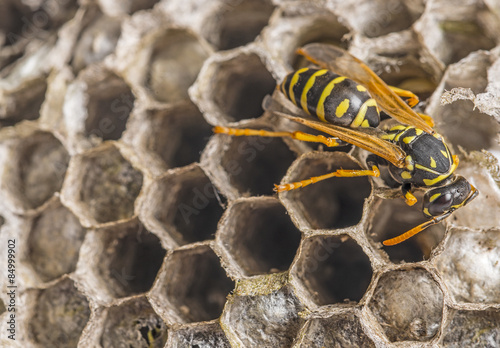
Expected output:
(330, 142)
(338, 173)
(411, 98)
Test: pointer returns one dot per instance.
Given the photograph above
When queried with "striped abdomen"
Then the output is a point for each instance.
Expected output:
(331, 98)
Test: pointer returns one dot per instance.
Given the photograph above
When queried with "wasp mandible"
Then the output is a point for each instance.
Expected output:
(346, 96)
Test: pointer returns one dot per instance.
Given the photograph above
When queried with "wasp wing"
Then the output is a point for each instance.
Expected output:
(343, 63)
(359, 138)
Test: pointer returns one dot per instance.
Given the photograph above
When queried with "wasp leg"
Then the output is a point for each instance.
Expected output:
(410, 199)
(410, 98)
(328, 141)
(338, 173)
(427, 119)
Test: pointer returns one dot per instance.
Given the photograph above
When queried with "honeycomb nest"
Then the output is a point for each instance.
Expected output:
(136, 227)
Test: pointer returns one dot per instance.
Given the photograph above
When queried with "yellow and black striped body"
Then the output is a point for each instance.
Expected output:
(331, 98)
(428, 161)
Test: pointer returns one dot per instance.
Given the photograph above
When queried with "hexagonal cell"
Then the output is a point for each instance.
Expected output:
(183, 205)
(244, 158)
(133, 324)
(101, 186)
(377, 18)
(23, 103)
(35, 168)
(176, 58)
(460, 122)
(329, 204)
(259, 235)
(231, 87)
(408, 305)
(392, 217)
(59, 315)
(177, 134)
(270, 320)
(56, 228)
(97, 41)
(470, 266)
(451, 32)
(125, 257)
(343, 330)
(108, 103)
(333, 269)
(473, 329)
(238, 23)
(192, 284)
(295, 24)
(207, 334)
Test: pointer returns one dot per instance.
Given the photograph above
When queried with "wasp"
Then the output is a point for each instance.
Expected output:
(346, 98)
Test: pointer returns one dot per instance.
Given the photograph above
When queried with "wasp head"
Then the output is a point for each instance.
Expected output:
(446, 199)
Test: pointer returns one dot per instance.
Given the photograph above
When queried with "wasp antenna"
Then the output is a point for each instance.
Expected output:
(408, 234)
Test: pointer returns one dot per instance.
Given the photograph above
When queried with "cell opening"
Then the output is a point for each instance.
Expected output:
(174, 65)
(260, 236)
(255, 164)
(196, 284)
(332, 203)
(178, 135)
(189, 207)
(392, 217)
(240, 85)
(32, 98)
(334, 269)
(239, 24)
(132, 260)
(109, 105)
(109, 186)
(42, 163)
(469, 328)
(60, 315)
(55, 229)
(133, 324)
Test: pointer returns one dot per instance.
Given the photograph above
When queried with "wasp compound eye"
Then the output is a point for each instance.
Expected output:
(449, 197)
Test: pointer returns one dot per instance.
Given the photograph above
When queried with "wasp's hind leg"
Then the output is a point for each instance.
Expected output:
(412, 99)
(410, 198)
(328, 141)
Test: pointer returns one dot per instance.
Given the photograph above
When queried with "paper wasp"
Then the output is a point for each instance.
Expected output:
(347, 96)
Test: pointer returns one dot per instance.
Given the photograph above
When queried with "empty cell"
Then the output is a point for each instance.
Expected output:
(40, 163)
(109, 104)
(24, 103)
(333, 203)
(60, 315)
(133, 324)
(408, 304)
(470, 266)
(97, 41)
(270, 320)
(472, 329)
(207, 334)
(342, 330)
(109, 185)
(54, 242)
(187, 205)
(177, 134)
(256, 164)
(239, 85)
(260, 236)
(194, 284)
(176, 59)
(334, 269)
(392, 217)
(130, 259)
(238, 23)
